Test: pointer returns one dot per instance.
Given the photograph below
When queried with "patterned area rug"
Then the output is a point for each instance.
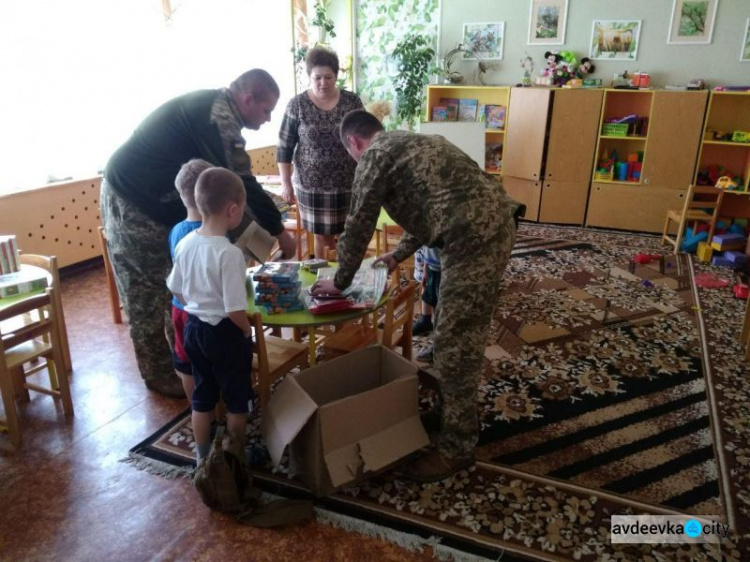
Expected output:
(597, 398)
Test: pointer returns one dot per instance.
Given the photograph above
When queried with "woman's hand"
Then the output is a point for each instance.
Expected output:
(388, 260)
(325, 287)
(287, 193)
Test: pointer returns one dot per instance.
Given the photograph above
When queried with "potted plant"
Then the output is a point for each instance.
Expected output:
(322, 21)
(413, 55)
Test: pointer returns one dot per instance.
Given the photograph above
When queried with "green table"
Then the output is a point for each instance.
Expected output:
(304, 319)
(5, 302)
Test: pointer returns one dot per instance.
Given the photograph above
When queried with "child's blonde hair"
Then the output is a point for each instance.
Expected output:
(187, 178)
(216, 188)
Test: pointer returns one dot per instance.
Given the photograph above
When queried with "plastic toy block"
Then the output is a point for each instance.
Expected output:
(737, 258)
(721, 261)
(729, 237)
(737, 229)
(728, 246)
(704, 252)
(689, 244)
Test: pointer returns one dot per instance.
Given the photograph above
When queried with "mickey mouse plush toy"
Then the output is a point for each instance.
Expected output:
(553, 59)
(585, 68)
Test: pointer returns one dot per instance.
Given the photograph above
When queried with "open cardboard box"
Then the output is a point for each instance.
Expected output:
(346, 418)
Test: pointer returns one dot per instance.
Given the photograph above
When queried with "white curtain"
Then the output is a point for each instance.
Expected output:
(77, 76)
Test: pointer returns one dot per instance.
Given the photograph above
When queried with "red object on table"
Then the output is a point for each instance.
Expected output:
(741, 291)
(645, 258)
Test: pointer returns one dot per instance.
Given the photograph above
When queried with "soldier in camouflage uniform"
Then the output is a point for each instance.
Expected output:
(443, 200)
(140, 204)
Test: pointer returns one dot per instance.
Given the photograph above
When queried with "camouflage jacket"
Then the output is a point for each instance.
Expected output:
(204, 124)
(432, 189)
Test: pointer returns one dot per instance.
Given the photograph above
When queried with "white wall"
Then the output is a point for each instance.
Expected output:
(718, 62)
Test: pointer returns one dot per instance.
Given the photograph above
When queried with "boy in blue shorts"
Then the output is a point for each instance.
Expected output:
(185, 184)
(429, 276)
(208, 277)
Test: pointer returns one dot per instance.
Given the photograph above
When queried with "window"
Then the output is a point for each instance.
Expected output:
(78, 76)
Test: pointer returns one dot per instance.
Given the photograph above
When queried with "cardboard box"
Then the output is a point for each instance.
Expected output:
(346, 419)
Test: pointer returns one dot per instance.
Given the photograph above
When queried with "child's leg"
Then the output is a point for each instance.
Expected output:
(188, 383)
(180, 359)
(202, 434)
(236, 424)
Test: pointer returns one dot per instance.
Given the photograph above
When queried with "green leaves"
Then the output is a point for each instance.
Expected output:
(413, 54)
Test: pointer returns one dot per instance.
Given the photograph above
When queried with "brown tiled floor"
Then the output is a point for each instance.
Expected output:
(65, 496)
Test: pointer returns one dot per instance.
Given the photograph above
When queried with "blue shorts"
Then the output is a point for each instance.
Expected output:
(222, 358)
(431, 289)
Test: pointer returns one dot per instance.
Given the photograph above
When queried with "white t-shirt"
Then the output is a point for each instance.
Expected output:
(209, 273)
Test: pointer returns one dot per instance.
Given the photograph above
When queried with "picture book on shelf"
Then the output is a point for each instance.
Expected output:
(452, 105)
(493, 157)
(482, 113)
(440, 113)
(495, 116)
(467, 109)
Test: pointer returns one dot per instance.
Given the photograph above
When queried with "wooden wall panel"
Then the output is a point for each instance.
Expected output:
(57, 220)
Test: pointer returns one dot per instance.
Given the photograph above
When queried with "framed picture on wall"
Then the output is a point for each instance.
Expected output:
(745, 52)
(615, 40)
(486, 40)
(692, 22)
(547, 22)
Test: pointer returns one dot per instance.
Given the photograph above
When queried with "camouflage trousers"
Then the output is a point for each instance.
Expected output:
(472, 268)
(139, 251)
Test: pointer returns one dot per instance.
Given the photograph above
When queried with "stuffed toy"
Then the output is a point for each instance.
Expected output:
(552, 58)
(585, 68)
(565, 68)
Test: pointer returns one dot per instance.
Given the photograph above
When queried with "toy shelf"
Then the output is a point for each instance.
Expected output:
(618, 182)
(618, 104)
(619, 137)
(726, 143)
(485, 95)
(728, 112)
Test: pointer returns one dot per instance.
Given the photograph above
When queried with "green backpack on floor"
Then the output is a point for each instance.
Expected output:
(225, 484)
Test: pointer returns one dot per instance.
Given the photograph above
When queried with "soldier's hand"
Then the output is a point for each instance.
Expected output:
(287, 244)
(325, 288)
(388, 260)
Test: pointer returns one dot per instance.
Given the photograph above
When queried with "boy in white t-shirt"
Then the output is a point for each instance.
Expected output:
(209, 279)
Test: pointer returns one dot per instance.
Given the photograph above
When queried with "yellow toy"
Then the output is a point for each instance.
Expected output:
(725, 182)
(704, 252)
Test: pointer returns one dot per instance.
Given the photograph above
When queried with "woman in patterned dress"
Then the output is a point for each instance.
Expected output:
(315, 169)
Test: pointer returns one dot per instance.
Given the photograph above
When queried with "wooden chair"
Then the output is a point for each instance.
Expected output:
(39, 338)
(396, 331)
(273, 358)
(114, 297)
(702, 204)
(49, 263)
(294, 225)
(391, 237)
